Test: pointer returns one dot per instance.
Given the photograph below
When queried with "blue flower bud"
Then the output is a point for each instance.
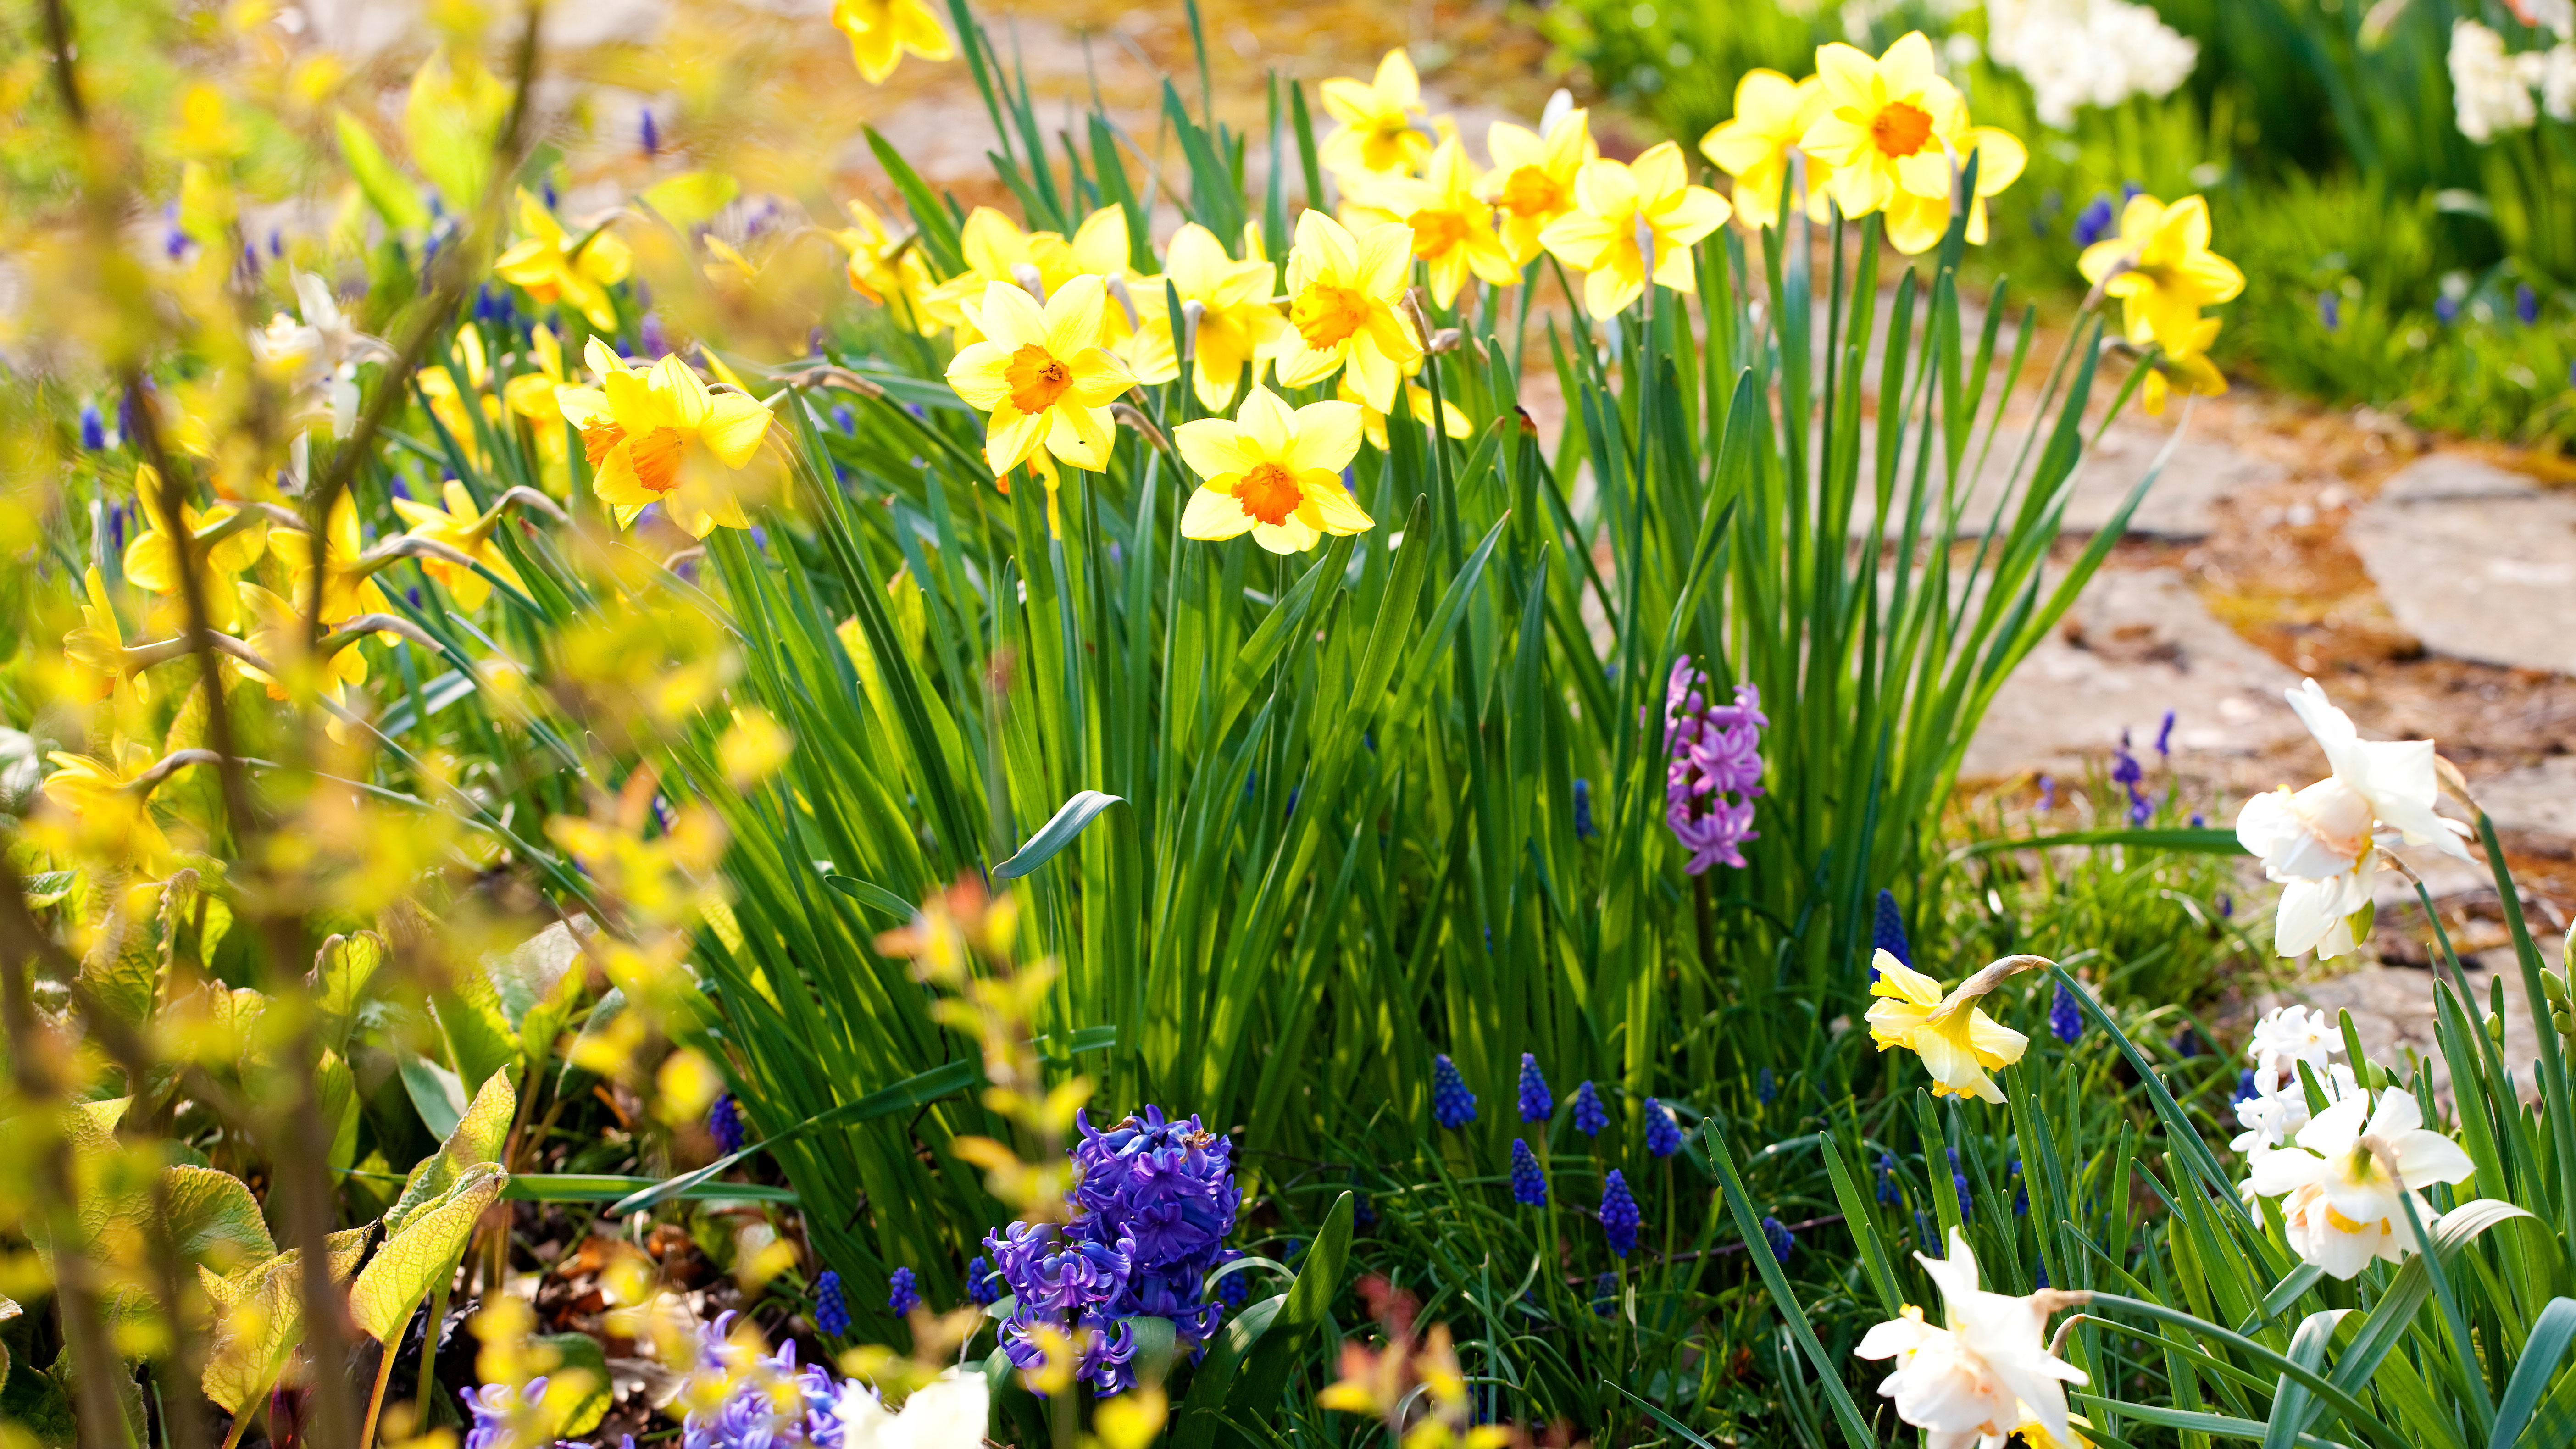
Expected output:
(1589, 1115)
(1619, 1215)
(831, 1313)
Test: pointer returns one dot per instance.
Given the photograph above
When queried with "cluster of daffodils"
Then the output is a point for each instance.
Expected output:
(2162, 270)
(2078, 53)
(1885, 136)
(1986, 1373)
(2323, 844)
(2271, 1095)
(2492, 89)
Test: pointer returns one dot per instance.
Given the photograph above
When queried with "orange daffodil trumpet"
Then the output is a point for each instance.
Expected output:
(1273, 473)
(1342, 293)
(1958, 1042)
(661, 436)
(1043, 375)
(881, 31)
(1633, 223)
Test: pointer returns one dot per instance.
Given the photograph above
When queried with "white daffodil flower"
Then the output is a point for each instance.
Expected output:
(1984, 1375)
(949, 1412)
(2274, 1105)
(321, 351)
(2341, 1199)
(2322, 843)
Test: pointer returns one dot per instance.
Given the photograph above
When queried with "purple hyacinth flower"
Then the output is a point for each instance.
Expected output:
(1782, 1241)
(724, 1123)
(93, 428)
(1887, 1190)
(1619, 1215)
(2164, 734)
(1887, 932)
(983, 1284)
(1589, 1115)
(1714, 752)
(1536, 1104)
(2092, 221)
(1529, 1185)
(652, 135)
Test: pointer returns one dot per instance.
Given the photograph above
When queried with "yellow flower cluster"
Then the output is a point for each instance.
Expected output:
(2162, 270)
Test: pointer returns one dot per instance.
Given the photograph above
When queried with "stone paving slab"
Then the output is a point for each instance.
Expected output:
(2181, 507)
(2477, 562)
(2537, 800)
(2141, 643)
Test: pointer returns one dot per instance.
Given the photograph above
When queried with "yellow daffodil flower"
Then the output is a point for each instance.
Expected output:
(1042, 374)
(278, 635)
(2162, 270)
(1417, 399)
(466, 529)
(447, 392)
(1915, 224)
(660, 436)
(1532, 182)
(1889, 125)
(2190, 369)
(1771, 113)
(888, 270)
(996, 250)
(1453, 230)
(1958, 1042)
(348, 579)
(551, 267)
(1134, 327)
(1342, 293)
(1377, 136)
(880, 31)
(221, 543)
(1620, 209)
(532, 394)
(110, 817)
(1273, 473)
(98, 645)
(1236, 323)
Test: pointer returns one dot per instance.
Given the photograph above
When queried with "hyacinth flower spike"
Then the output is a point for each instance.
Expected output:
(1958, 1042)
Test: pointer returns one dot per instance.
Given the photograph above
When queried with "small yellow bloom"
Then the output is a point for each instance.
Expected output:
(662, 436)
(1133, 325)
(887, 270)
(1236, 323)
(110, 816)
(221, 544)
(551, 267)
(1273, 473)
(2162, 270)
(1042, 374)
(1621, 210)
(447, 392)
(1889, 125)
(1453, 230)
(2191, 370)
(98, 645)
(881, 31)
(996, 250)
(1342, 292)
(1532, 182)
(348, 579)
(466, 529)
(278, 635)
(1771, 113)
(1377, 136)
(1958, 1042)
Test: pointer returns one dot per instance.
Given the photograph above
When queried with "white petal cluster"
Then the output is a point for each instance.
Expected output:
(947, 1413)
(2078, 53)
(1982, 1377)
(2491, 90)
(2322, 843)
(2277, 1107)
(318, 356)
(2344, 1186)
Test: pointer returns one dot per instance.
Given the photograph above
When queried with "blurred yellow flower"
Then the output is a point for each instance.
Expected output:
(2190, 369)
(888, 270)
(221, 542)
(278, 634)
(111, 817)
(98, 645)
(1771, 113)
(1958, 1042)
(1915, 224)
(880, 31)
(1273, 473)
(2162, 270)
(1453, 230)
(1532, 182)
(661, 436)
(446, 393)
(348, 578)
(1236, 324)
(1889, 125)
(1043, 375)
(1620, 211)
(551, 267)
(1342, 292)
(466, 529)
(1377, 135)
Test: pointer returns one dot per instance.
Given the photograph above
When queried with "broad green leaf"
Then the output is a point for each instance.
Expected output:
(420, 1255)
(259, 1319)
(386, 189)
(348, 964)
(1269, 1363)
(33, 1402)
(2550, 1335)
(475, 1142)
(480, 1038)
(1056, 834)
(436, 1093)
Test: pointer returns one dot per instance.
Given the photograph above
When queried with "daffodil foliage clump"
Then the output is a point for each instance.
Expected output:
(636, 695)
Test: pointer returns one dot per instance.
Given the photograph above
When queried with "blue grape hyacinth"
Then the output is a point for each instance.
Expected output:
(1663, 1134)
(1536, 1104)
(1888, 931)
(1887, 1191)
(2065, 1017)
(1589, 1115)
(1529, 1185)
(983, 1284)
(1766, 1087)
(831, 1311)
(903, 1292)
(1782, 1241)
(1452, 1105)
(1619, 1215)
(724, 1123)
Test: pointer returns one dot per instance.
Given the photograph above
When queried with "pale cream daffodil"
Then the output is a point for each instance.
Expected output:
(2346, 1183)
(1982, 1374)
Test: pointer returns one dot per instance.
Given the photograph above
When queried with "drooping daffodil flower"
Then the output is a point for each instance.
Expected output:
(1982, 1374)
(1958, 1042)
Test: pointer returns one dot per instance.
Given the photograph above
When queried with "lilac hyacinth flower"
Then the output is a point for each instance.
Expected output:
(1663, 1134)
(1529, 1184)
(903, 1292)
(1713, 752)
(1619, 1215)
(1589, 1115)
(767, 1402)
(1072, 1286)
(1452, 1105)
(1536, 1104)
(2048, 792)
